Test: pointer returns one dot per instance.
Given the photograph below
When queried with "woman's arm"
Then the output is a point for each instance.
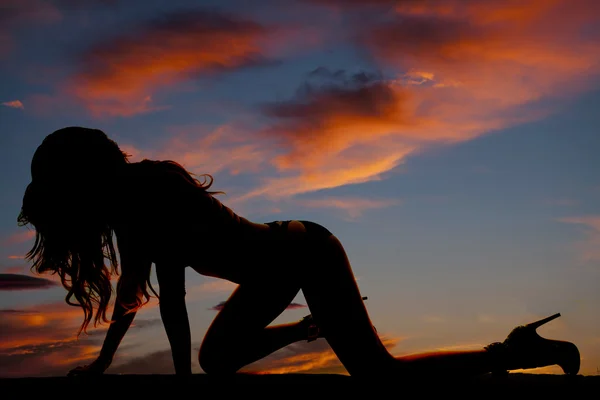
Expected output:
(121, 319)
(173, 312)
(120, 322)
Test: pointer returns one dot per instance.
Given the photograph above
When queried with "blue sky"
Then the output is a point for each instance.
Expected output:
(451, 146)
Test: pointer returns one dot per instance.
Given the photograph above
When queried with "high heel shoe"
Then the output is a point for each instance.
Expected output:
(524, 349)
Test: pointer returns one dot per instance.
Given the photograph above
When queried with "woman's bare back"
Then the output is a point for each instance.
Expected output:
(174, 223)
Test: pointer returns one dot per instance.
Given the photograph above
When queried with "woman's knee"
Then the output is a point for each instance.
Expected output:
(215, 359)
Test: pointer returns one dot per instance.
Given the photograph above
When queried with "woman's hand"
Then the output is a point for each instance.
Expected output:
(95, 368)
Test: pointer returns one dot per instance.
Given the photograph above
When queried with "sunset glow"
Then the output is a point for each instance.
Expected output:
(451, 145)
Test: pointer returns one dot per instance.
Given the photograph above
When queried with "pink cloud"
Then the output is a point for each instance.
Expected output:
(589, 247)
(13, 104)
(120, 76)
(202, 149)
(19, 237)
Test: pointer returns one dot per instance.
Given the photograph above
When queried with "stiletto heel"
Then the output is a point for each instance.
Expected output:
(524, 348)
(537, 324)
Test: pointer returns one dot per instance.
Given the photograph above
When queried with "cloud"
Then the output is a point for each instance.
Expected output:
(588, 248)
(41, 340)
(291, 306)
(158, 362)
(356, 4)
(304, 357)
(354, 128)
(21, 270)
(49, 359)
(18, 14)
(352, 206)
(455, 70)
(222, 149)
(499, 53)
(119, 76)
(23, 282)
(13, 104)
(214, 285)
(19, 237)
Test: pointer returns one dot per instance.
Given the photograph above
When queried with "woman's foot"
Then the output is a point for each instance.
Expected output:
(524, 349)
(310, 327)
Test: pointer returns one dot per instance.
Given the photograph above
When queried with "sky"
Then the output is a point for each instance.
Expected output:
(451, 145)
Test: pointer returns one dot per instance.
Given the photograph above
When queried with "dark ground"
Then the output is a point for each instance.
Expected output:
(303, 385)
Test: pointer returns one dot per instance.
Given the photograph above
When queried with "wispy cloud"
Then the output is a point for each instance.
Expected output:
(13, 104)
(291, 306)
(225, 148)
(353, 207)
(303, 357)
(214, 285)
(158, 362)
(589, 248)
(120, 76)
(41, 340)
(460, 70)
(19, 237)
(23, 282)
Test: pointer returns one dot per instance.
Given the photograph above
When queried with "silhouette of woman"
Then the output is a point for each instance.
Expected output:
(84, 190)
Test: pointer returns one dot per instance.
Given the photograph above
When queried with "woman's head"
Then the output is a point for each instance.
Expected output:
(68, 203)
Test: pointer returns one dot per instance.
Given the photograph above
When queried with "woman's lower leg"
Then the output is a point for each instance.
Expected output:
(335, 300)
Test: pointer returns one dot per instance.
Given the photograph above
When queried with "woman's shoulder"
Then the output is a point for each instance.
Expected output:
(166, 182)
(152, 174)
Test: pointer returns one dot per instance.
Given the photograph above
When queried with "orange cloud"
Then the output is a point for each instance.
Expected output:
(39, 325)
(19, 237)
(502, 52)
(303, 357)
(205, 150)
(13, 104)
(225, 148)
(589, 248)
(119, 77)
(41, 340)
(461, 69)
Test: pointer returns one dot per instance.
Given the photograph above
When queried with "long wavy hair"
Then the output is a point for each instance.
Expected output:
(68, 202)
